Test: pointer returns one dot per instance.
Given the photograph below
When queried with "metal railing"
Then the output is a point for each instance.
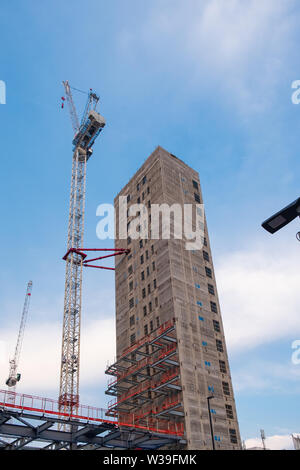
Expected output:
(47, 407)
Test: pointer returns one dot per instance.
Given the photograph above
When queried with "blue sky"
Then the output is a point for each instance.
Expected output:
(211, 82)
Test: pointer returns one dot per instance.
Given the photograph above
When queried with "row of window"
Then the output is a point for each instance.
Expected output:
(195, 183)
(225, 386)
(208, 271)
(196, 195)
(216, 324)
(144, 180)
(232, 436)
(149, 310)
(152, 248)
(148, 289)
(150, 328)
(145, 310)
(222, 364)
(147, 257)
(147, 273)
(210, 287)
(219, 345)
(147, 328)
(138, 187)
(213, 306)
(130, 268)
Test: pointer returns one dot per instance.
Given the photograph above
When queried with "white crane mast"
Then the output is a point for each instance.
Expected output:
(85, 134)
(14, 376)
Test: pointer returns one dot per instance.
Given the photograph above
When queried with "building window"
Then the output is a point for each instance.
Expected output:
(156, 302)
(130, 285)
(142, 275)
(154, 283)
(213, 307)
(142, 259)
(131, 302)
(216, 326)
(146, 329)
(204, 241)
(144, 293)
(141, 243)
(152, 249)
(149, 289)
(130, 269)
(222, 367)
(128, 198)
(132, 338)
(151, 325)
(233, 437)
(138, 200)
(208, 272)
(229, 411)
(195, 184)
(197, 197)
(147, 254)
(219, 345)
(149, 204)
(132, 320)
(150, 307)
(144, 179)
(226, 389)
(145, 310)
(128, 240)
(138, 187)
(205, 255)
(211, 289)
(153, 265)
(157, 321)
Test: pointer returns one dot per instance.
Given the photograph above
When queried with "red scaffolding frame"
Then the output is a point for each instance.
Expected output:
(146, 381)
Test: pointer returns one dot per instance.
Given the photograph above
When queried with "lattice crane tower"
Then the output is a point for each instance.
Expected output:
(86, 133)
(14, 376)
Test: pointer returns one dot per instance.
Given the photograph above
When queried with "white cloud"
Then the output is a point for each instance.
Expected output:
(259, 294)
(267, 376)
(276, 442)
(236, 47)
(40, 357)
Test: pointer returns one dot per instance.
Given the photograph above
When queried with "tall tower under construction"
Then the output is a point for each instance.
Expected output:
(171, 372)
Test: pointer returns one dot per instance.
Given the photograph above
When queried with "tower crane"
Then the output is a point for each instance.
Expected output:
(85, 133)
(14, 376)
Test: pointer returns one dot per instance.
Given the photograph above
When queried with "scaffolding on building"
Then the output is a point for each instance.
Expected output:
(146, 382)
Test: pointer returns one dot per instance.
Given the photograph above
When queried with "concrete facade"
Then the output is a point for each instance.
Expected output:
(160, 280)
